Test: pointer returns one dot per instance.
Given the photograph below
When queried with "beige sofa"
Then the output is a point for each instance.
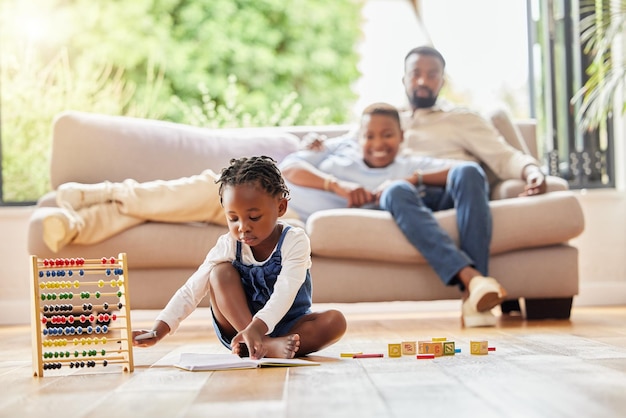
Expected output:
(358, 255)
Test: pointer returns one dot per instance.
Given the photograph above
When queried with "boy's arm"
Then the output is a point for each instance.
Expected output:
(302, 173)
(305, 174)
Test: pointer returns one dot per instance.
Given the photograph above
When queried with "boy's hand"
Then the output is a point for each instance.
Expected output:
(313, 141)
(354, 193)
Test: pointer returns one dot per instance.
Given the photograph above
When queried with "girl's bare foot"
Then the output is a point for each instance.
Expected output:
(282, 347)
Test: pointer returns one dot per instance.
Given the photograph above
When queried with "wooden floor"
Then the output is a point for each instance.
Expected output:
(539, 369)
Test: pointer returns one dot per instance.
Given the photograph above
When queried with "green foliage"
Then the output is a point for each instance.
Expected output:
(215, 63)
(32, 94)
(602, 24)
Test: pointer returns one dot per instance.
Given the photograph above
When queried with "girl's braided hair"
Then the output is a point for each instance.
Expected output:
(259, 170)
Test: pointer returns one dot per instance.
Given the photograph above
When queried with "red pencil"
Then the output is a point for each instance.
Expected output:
(367, 355)
(425, 356)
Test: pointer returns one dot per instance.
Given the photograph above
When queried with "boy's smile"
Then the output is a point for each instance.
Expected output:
(381, 137)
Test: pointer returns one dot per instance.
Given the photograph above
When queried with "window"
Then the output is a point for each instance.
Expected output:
(522, 54)
(584, 158)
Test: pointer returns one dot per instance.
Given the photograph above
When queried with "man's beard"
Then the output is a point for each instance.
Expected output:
(420, 102)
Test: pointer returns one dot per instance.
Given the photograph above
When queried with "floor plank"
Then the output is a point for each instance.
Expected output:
(539, 369)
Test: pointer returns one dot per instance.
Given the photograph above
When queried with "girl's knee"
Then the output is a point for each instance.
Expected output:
(223, 273)
(336, 320)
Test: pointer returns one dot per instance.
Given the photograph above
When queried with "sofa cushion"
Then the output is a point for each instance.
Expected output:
(518, 223)
(90, 148)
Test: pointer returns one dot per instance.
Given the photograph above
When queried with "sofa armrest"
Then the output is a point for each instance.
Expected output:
(522, 135)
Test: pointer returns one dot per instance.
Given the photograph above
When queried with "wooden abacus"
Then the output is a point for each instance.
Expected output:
(96, 332)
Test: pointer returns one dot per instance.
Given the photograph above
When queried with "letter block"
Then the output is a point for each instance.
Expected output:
(395, 350)
(448, 348)
(409, 347)
(430, 347)
(479, 347)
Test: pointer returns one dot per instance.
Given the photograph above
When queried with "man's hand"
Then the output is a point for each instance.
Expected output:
(535, 182)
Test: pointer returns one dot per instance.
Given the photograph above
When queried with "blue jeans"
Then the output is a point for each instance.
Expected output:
(467, 191)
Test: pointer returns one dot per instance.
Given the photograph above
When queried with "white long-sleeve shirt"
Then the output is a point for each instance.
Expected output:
(296, 259)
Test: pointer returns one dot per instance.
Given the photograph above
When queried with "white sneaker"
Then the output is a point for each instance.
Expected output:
(485, 293)
(78, 195)
(471, 318)
(60, 228)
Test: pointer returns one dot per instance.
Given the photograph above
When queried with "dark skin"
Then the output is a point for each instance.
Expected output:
(252, 216)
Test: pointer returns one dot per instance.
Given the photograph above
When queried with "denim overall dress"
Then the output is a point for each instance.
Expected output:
(258, 284)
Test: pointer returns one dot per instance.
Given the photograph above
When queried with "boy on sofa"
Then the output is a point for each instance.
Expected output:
(257, 275)
(370, 173)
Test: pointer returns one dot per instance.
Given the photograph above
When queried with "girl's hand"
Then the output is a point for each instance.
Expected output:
(254, 337)
(160, 328)
(144, 342)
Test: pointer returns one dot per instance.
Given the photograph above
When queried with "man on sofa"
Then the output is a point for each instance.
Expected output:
(438, 129)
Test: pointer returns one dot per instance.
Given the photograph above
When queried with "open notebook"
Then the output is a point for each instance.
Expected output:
(207, 362)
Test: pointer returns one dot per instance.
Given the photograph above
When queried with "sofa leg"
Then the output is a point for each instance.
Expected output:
(552, 308)
(511, 307)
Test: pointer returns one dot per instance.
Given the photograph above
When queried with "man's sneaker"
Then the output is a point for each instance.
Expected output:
(60, 228)
(78, 195)
(485, 293)
(472, 318)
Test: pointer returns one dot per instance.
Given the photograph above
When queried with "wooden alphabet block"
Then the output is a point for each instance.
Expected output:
(395, 350)
(409, 347)
(430, 347)
(479, 347)
(448, 348)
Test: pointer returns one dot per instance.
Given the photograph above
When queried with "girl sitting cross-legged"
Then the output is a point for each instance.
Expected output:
(257, 275)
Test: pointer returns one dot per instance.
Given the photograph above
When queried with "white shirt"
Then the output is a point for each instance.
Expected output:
(342, 157)
(296, 259)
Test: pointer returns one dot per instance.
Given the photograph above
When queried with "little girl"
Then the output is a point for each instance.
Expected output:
(257, 275)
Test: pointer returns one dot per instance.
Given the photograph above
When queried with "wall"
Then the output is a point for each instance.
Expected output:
(602, 258)
(14, 265)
